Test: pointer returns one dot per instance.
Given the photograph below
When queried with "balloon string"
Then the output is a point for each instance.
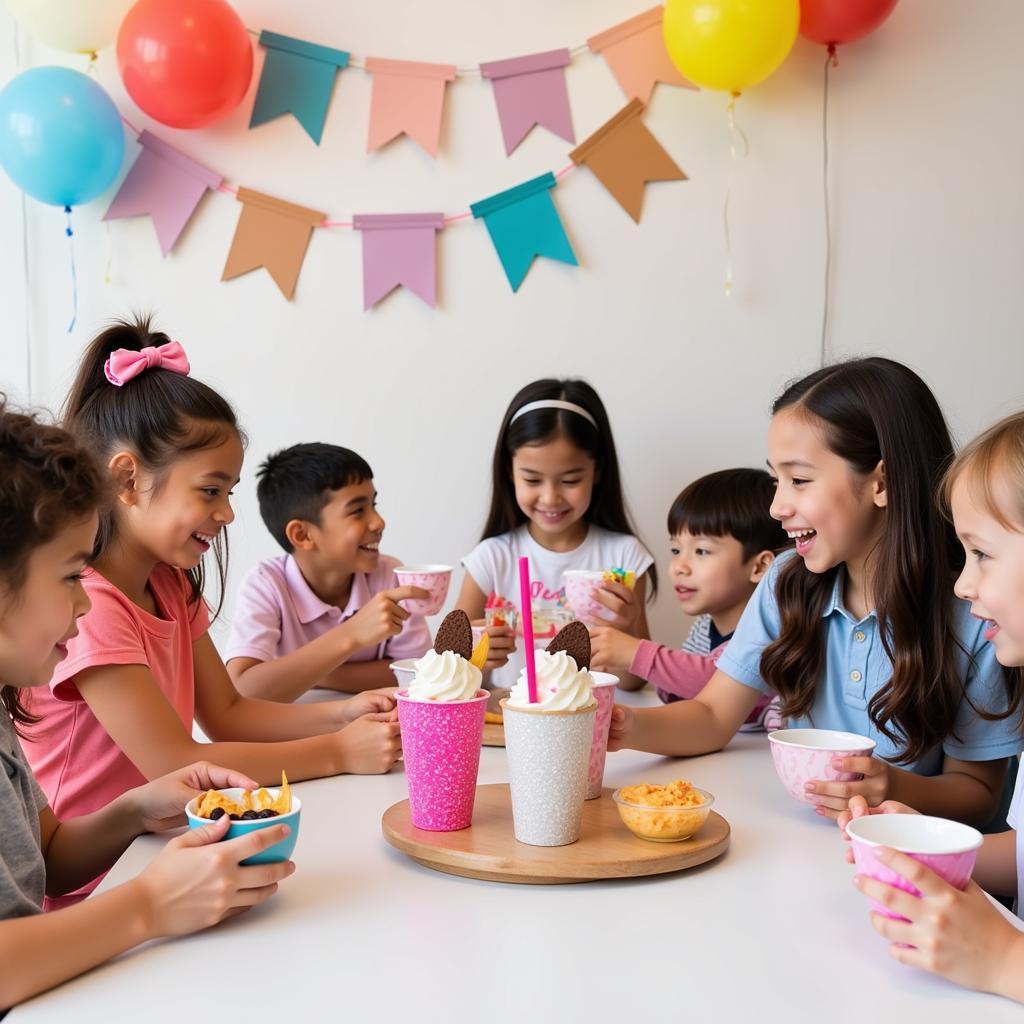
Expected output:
(74, 274)
(739, 147)
(830, 62)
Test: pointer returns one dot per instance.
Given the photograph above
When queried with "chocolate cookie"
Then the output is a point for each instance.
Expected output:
(456, 634)
(574, 639)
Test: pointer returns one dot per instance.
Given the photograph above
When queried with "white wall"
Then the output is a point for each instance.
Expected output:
(928, 216)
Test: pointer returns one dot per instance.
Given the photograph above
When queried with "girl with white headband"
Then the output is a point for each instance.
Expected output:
(557, 498)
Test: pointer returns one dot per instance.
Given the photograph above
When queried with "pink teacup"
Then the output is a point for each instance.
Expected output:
(803, 755)
(946, 847)
(434, 578)
(579, 587)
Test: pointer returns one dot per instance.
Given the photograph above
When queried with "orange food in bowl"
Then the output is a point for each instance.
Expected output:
(663, 814)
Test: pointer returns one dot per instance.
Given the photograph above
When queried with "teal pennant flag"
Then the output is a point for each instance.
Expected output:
(298, 78)
(523, 224)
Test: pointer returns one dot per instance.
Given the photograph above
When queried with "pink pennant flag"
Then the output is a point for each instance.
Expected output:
(528, 91)
(635, 52)
(408, 97)
(164, 183)
(399, 249)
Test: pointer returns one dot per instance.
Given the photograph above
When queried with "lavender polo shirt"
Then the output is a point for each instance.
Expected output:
(276, 612)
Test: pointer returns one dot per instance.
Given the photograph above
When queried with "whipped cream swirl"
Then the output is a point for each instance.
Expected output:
(444, 678)
(561, 686)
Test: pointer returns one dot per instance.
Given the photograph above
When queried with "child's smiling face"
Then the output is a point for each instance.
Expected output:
(39, 618)
(554, 483)
(710, 574)
(177, 514)
(347, 537)
(993, 576)
(832, 512)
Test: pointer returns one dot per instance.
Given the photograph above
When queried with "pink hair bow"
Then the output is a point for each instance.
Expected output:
(124, 364)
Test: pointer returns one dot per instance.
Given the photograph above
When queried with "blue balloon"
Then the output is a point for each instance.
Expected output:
(61, 139)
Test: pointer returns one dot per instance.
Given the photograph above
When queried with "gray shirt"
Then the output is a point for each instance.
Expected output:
(22, 869)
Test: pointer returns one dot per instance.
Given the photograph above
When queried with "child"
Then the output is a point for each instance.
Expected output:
(961, 935)
(50, 489)
(858, 629)
(722, 540)
(557, 498)
(121, 705)
(326, 613)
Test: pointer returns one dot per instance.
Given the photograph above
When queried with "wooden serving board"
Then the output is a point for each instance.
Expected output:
(494, 734)
(606, 848)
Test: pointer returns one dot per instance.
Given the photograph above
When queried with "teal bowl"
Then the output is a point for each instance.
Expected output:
(272, 854)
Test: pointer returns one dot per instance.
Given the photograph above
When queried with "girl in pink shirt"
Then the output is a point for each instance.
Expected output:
(120, 707)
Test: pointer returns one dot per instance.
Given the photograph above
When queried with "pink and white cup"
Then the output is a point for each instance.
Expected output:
(434, 578)
(604, 694)
(403, 670)
(803, 755)
(579, 592)
(441, 743)
(946, 847)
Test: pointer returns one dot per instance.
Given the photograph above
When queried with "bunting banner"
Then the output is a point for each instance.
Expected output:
(272, 234)
(298, 79)
(408, 97)
(636, 55)
(166, 185)
(523, 224)
(399, 249)
(529, 91)
(624, 155)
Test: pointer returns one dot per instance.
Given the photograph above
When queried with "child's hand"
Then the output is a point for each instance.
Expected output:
(195, 881)
(369, 702)
(959, 935)
(621, 724)
(501, 642)
(370, 745)
(611, 648)
(621, 602)
(382, 616)
(858, 808)
(834, 797)
(160, 804)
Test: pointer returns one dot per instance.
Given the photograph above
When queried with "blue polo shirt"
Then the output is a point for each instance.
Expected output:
(856, 667)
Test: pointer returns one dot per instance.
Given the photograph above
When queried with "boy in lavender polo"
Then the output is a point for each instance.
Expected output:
(325, 614)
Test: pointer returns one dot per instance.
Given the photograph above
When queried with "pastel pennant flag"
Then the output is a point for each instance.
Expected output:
(408, 97)
(399, 249)
(528, 91)
(624, 156)
(273, 234)
(523, 224)
(298, 78)
(165, 184)
(636, 53)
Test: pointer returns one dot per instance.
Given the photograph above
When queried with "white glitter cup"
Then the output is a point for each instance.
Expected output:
(548, 763)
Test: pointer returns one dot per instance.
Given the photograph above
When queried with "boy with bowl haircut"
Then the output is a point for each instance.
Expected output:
(723, 540)
(325, 614)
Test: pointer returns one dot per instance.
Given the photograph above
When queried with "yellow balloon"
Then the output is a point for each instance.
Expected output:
(729, 44)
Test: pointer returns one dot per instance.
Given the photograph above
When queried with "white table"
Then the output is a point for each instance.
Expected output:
(774, 930)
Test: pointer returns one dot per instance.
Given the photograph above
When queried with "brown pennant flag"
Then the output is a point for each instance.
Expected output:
(625, 156)
(273, 234)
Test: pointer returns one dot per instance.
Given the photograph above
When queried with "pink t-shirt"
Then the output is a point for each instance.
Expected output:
(79, 766)
(276, 612)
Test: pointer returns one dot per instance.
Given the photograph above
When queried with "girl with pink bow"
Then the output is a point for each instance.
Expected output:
(120, 706)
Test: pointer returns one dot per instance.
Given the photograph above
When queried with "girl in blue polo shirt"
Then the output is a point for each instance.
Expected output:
(858, 629)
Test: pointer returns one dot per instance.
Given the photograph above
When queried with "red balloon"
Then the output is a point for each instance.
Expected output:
(834, 22)
(186, 63)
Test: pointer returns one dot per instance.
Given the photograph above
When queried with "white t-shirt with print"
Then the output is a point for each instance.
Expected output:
(494, 566)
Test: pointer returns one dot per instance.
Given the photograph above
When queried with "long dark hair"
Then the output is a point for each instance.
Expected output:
(48, 481)
(159, 415)
(877, 410)
(539, 426)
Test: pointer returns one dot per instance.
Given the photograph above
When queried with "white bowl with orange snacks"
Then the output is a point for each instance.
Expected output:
(663, 814)
(206, 808)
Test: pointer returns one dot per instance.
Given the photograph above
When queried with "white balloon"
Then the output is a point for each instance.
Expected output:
(81, 26)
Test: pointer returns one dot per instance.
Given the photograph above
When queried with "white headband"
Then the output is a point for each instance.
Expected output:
(554, 403)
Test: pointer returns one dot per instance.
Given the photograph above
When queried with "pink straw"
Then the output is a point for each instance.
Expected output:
(526, 610)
